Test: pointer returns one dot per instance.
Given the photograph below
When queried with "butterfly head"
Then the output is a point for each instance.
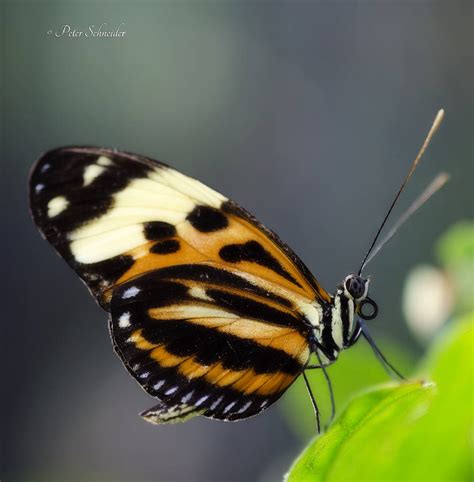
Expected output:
(356, 289)
(350, 304)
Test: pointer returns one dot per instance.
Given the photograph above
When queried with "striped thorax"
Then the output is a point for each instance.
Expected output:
(337, 329)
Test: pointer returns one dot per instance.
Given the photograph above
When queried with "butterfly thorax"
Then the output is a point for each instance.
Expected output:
(338, 328)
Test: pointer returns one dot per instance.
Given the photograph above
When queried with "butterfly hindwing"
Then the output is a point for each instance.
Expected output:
(193, 337)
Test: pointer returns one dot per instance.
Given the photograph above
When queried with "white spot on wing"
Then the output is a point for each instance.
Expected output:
(144, 374)
(158, 385)
(39, 188)
(199, 293)
(219, 400)
(57, 205)
(91, 172)
(229, 407)
(187, 397)
(171, 390)
(124, 320)
(130, 292)
(245, 407)
(104, 161)
(201, 400)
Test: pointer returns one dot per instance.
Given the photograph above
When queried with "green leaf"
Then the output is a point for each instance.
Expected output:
(412, 431)
(338, 454)
(449, 426)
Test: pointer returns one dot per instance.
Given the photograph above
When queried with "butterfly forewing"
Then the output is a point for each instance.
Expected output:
(203, 299)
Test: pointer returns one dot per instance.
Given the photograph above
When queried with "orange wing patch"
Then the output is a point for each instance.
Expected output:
(240, 245)
(245, 381)
(237, 247)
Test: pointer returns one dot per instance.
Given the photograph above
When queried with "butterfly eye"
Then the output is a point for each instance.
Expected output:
(356, 287)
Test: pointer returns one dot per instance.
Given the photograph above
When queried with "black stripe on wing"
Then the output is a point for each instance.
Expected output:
(234, 208)
(162, 288)
(220, 277)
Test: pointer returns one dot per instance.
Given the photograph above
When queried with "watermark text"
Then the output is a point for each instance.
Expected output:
(102, 30)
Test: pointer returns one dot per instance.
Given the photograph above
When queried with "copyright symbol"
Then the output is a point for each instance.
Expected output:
(49, 32)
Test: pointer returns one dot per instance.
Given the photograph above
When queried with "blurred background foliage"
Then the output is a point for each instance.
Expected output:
(455, 251)
(306, 113)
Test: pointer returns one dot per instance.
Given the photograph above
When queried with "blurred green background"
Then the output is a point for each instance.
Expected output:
(306, 113)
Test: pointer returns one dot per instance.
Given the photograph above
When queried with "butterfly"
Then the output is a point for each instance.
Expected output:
(209, 311)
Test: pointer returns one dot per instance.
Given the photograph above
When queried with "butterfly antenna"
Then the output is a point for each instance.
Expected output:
(435, 126)
(438, 182)
(313, 402)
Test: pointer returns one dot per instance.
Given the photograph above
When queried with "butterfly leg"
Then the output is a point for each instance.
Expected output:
(313, 402)
(330, 389)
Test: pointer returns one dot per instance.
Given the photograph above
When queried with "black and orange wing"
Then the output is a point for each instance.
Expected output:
(208, 339)
(209, 280)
